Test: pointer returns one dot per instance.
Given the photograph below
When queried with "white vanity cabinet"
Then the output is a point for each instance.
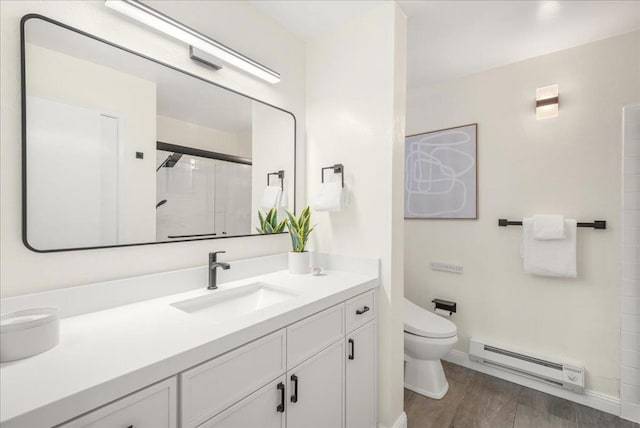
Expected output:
(318, 372)
(152, 407)
(328, 380)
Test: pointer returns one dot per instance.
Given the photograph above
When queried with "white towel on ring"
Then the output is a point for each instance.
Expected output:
(330, 197)
(271, 198)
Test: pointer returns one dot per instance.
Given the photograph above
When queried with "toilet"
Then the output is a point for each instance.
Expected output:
(427, 338)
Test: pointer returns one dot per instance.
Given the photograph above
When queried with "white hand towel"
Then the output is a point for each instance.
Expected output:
(330, 197)
(284, 200)
(546, 227)
(556, 258)
(270, 197)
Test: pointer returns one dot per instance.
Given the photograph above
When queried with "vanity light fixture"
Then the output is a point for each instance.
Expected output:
(161, 22)
(547, 102)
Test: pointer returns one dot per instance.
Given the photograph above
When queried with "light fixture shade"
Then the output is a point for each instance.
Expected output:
(161, 22)
(547, 102)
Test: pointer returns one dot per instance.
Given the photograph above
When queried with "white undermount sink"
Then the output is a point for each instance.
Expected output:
(224, 305)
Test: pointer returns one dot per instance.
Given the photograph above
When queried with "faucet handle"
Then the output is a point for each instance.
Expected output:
(214, 255)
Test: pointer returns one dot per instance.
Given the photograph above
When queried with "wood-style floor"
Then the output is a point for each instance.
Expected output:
(478, 400)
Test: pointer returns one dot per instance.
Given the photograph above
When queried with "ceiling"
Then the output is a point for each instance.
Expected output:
(449, 39)
(446, 39)
(308, 19)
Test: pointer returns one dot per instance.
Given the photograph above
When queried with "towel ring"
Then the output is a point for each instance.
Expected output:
(337, 169)
(280, 175)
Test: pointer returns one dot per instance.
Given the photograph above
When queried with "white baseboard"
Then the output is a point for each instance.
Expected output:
(401, 422)
(594, 399)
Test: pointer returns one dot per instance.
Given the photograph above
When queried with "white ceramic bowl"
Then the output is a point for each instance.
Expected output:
(28, 332)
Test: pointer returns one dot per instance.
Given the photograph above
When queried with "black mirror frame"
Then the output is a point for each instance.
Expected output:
(23, 92)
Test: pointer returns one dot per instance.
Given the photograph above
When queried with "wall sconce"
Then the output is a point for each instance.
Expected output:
(163, 23)
(547, 102)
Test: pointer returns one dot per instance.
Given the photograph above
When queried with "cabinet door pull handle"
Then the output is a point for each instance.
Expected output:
(294, 396)
(363, 310)
(280, 407)
(352, 352)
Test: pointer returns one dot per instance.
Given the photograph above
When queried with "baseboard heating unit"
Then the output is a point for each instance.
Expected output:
(561, 374)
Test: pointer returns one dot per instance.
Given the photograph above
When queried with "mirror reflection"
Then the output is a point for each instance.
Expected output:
(123, 150)
(204, 195)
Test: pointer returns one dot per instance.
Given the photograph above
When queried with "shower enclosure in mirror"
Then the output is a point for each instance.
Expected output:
(120, 149)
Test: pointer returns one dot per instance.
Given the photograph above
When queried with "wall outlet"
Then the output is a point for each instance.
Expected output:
(447, 267)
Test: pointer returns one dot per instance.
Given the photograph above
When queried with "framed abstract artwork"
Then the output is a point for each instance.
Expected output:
(441, 174)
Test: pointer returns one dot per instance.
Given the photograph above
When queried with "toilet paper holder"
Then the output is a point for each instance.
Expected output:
(445, 305)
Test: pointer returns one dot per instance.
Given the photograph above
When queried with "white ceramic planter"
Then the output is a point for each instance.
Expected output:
(299, 263)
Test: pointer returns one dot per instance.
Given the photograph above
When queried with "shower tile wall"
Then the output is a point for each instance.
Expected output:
(630, 289)
(203, 196)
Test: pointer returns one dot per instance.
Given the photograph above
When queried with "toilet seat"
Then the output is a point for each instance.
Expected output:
(420, 322)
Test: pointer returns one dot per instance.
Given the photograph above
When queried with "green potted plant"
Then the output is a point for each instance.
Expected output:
(269, 223)
(299, 230)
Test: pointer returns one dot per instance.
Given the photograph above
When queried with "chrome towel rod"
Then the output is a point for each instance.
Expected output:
(597, 224)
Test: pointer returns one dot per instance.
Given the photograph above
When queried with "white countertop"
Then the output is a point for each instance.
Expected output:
(106, 354)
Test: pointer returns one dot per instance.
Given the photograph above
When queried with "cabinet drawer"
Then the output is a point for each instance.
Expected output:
(264, 408)
(312, 334)
(211, 387)
(360, 310)
(153, 407)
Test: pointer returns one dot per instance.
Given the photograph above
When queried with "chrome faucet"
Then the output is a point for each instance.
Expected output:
(213, 265)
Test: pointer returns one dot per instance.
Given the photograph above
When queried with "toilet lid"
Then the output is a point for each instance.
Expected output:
(424, 323)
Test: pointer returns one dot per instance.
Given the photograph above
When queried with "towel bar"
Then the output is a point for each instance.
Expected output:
(597, 224)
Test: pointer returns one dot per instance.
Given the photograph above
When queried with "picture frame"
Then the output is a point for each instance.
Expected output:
(441, 174)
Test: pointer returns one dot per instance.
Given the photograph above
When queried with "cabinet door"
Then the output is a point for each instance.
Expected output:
(361, 374)
(316, 390)
(263, 409)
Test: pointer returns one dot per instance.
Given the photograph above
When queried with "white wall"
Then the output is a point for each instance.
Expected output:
(174, 131)
(132, 100)
(630, 266)
(569, 165)
(355, 107)
(235, 24)
(245, 144)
